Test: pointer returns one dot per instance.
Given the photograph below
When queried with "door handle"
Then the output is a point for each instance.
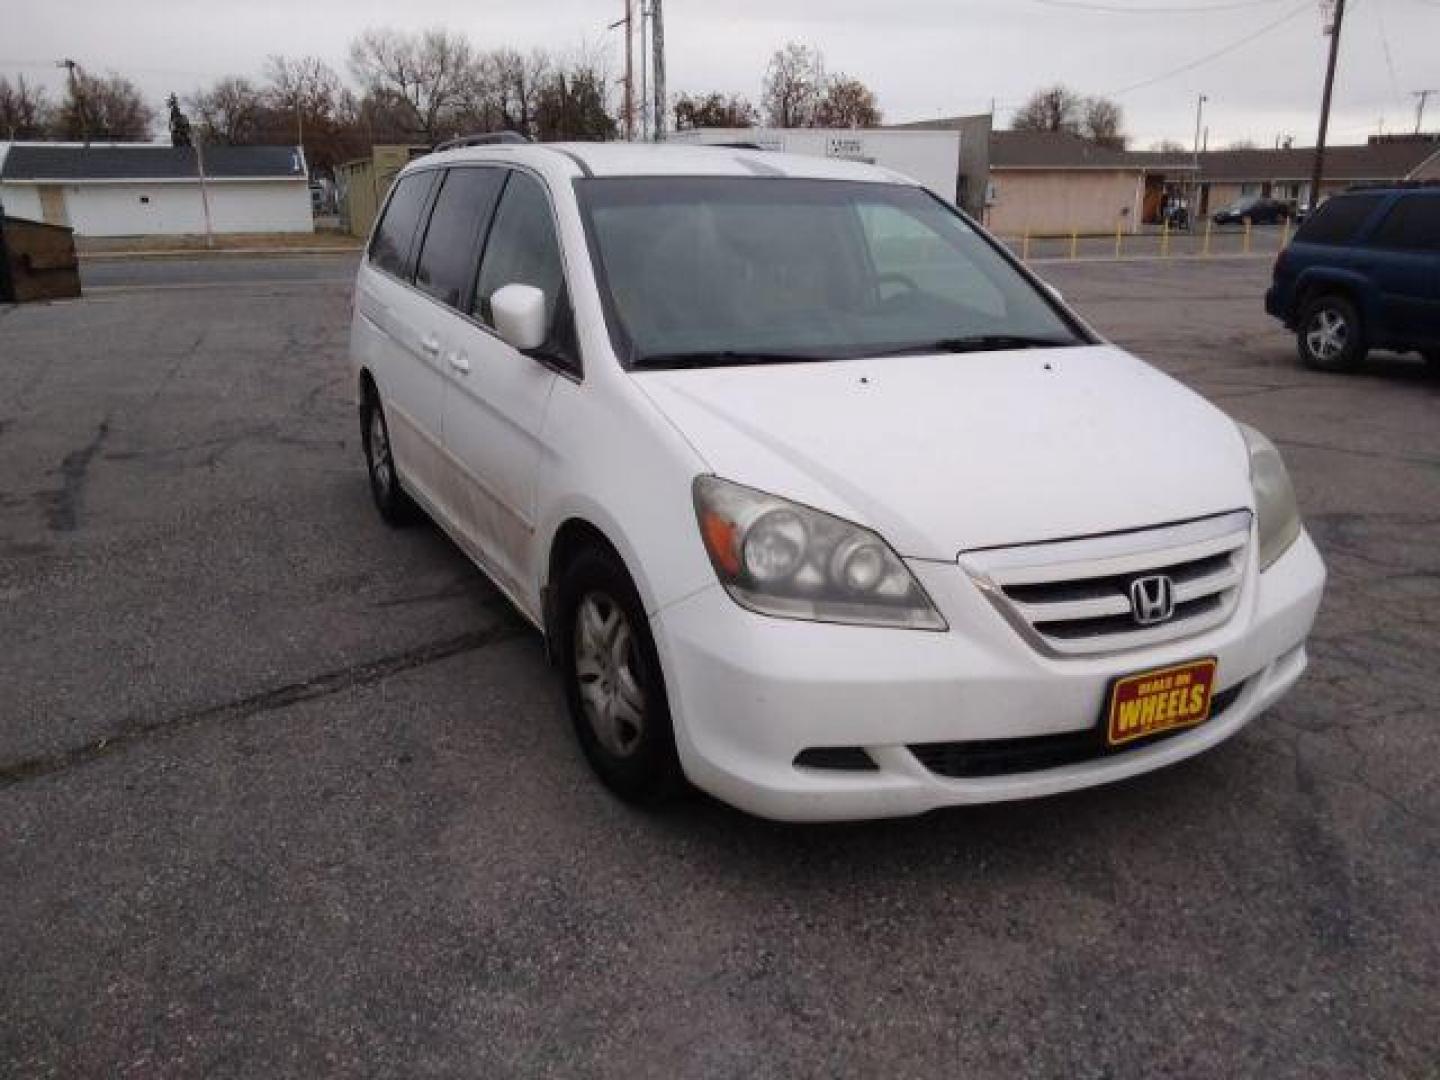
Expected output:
(430, 346)
(460, 363)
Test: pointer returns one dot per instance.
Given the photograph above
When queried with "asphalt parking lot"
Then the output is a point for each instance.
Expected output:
(284, 792)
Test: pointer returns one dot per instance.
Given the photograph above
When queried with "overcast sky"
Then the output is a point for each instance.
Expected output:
(923, 58)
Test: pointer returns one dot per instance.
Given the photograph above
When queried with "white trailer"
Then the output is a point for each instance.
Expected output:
(931, 157)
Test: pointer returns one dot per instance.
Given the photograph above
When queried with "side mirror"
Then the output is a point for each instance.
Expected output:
(519, 314)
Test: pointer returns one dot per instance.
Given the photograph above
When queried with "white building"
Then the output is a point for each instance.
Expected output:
(144, 189)
(931, 157)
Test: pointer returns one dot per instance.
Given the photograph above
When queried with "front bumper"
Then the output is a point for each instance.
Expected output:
(748, 693)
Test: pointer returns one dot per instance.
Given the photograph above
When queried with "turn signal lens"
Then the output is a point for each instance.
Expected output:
(784, 559)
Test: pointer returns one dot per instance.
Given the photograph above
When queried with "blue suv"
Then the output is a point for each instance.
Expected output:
(1362, 273)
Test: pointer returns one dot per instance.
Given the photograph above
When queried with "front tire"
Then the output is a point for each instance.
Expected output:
(396, 507)
(613, 683)
(1331, 336)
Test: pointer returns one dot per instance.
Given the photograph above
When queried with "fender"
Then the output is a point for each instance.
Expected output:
(1320, 278)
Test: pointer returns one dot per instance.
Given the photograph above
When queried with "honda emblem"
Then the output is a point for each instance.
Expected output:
(1152, 599)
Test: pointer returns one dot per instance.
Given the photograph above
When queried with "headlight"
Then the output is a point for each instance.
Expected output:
(780, 558)
(1279, 516)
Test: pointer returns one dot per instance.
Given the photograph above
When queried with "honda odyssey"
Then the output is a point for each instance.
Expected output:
(820, 499)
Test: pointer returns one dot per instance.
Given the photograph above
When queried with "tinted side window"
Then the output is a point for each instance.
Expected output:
(522, 249)
(452, 239)
(390, 249)
(1413, 224)
(1338, 220)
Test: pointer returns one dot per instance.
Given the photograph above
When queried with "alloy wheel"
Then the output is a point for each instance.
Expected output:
(1327, 335)
(382, 467)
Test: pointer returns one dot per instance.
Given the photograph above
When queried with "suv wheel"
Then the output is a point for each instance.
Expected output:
(613, 683)
(390, 499)
(1330, 336)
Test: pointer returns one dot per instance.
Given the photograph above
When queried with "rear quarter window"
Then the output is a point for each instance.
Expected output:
(391, 247)
(1412, 224)
(1339, 220)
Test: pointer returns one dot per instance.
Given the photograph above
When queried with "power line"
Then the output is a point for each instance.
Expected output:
(1178, 9)
(1223, 51)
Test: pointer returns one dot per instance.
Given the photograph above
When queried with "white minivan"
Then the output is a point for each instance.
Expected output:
(820, 499)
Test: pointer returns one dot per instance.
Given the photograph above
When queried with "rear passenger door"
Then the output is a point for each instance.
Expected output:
(1407, 269)
(449, 253)
(495, 407)
(393, 324)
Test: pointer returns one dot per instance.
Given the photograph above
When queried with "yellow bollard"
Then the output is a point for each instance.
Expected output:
(1118, 241)
(1247, 236)
(1165, 240)
(1074, 243)
(1025, 247)
(1285, 234)
(1206, 249)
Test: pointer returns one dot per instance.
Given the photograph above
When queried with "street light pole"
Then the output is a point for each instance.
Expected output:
(657, 47)
(1318, 172)
(1200, 100)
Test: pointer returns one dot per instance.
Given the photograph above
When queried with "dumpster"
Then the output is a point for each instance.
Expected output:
(37, 261)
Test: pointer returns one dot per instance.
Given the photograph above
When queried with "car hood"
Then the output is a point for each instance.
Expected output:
(942, 454)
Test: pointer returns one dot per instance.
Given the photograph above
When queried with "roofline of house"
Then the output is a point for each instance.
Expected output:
(1117, 167)
(295, 178)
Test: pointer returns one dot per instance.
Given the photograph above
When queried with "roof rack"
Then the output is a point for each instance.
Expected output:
(485, 138)
(1377, 185)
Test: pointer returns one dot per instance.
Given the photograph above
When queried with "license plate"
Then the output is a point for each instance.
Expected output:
(1164, 699)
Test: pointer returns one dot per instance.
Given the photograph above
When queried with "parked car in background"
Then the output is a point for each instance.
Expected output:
(820, 498)
(1363, 272)
(1255, 209)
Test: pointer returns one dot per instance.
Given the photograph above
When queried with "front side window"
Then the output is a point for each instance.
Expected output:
(722, 270)
(395, 235)
(522, 249)
(452, 240)
(1413, 224)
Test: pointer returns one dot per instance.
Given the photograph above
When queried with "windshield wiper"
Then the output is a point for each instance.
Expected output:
(724, 358)
(983, 343)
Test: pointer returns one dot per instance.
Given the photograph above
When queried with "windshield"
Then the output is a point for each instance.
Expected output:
(698, 271)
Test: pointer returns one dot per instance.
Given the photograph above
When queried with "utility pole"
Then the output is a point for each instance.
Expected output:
(628, 81)
(644, 71)
(1317, 174)
(1422, 96)
(78, 96)
(657, 45)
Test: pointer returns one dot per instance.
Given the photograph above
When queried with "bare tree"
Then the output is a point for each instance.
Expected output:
(1103, 121)
(510, 84)
(847, 102)
(229, 112)
(24, 111)
(108, 108)
(426, 77)
(713, 110)
(1054, 108)
(1168, 146)
(794, 86)
(1243, 144)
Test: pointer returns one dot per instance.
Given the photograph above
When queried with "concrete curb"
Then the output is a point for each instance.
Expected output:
(211, 253)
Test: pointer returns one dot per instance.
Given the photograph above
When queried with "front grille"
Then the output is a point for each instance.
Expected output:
(1072, 597)
(1005, 757)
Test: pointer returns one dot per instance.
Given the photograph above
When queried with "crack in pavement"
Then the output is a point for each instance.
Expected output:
(134, 731)
(64, 505)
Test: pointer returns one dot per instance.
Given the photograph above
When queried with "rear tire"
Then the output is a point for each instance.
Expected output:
(396, 507)
(613, 683)
(1331, 336)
